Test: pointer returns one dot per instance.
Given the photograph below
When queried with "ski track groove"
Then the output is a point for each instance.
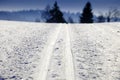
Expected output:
(69, 57)
(47, 57)
(57, 61)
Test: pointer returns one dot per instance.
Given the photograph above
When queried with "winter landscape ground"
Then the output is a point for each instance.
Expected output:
(40, 51)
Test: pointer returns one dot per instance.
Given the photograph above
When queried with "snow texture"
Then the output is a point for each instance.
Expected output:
(40, 51)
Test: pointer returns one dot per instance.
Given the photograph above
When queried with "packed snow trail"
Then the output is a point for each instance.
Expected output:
(56, 69)
(69, 57)
(42, 75)
(65, 63)
(40, 51)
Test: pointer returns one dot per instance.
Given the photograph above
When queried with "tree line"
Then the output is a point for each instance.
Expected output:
(55, 15)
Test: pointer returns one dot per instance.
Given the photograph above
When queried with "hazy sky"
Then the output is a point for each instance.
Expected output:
(65, 5)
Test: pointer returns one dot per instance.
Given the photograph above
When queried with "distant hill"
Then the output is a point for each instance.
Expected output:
(26, 15)
(32, 15)
(35, 15)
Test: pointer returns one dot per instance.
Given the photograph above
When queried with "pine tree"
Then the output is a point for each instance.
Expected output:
(56, 15)
(87, 15)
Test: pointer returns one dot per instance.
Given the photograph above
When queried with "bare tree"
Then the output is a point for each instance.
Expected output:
(112, 13)
(70, 20)
(109, 15)
(116, 14)
(45, 14)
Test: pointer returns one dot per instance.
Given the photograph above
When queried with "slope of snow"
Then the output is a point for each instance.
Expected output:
(39, 51)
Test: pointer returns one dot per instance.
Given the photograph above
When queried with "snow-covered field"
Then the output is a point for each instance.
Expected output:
(39, 51)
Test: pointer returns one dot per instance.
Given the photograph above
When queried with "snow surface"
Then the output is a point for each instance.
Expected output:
(39, 51)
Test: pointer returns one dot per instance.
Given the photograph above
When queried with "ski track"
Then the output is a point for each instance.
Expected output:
(39, 51)
(44, 66)
(56, 69)
(69, 56)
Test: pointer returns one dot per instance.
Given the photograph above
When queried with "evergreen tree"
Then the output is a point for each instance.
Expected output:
(56, 15)
(87, 15)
